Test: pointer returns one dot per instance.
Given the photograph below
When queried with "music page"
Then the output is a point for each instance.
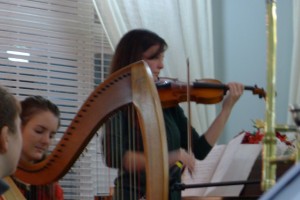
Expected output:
(232, 162)
(203, 173)
(238, 169)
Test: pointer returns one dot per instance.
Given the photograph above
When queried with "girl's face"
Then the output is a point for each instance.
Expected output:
(154, 60)
(37, 135)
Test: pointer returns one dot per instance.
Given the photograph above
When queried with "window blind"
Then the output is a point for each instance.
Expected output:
(58, 49)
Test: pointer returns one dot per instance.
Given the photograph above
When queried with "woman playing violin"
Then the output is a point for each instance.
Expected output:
(141, 44)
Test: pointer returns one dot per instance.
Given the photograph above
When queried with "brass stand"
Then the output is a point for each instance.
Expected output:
(269, 141)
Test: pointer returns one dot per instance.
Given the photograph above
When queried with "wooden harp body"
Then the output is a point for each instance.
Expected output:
(131, 85)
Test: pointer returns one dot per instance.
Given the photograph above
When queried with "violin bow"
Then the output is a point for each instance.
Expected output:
(189, 136)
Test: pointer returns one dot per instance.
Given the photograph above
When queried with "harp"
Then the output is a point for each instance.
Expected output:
(131, 85)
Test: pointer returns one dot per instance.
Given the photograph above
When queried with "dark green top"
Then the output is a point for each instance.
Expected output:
(128, 187)
(3, 187)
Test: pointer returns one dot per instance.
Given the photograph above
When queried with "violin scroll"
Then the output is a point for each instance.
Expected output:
(257, 91)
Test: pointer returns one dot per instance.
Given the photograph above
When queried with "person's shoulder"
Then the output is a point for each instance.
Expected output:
(174, 111)
(59, 193)
(177, 108)
(3, 187)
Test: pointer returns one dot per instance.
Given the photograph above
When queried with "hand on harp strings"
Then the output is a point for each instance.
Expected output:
(204, 91)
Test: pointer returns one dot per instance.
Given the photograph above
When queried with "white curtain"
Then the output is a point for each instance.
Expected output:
(187, 28)
(295, 71)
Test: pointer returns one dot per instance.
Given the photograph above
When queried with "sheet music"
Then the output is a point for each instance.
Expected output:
(230, 162)
(238, 169)
(204, 171)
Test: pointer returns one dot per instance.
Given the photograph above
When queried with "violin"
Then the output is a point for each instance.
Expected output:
(204, 91)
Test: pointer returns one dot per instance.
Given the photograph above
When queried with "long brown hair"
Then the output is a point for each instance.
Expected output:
(132, 46)
(35, 104)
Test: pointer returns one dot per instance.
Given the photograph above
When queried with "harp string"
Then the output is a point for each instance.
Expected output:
(123, 134)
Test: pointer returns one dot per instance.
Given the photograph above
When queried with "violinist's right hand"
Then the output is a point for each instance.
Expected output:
(188, 160)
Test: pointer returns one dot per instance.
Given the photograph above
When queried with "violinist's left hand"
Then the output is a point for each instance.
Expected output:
(233, 95)
(216, 128)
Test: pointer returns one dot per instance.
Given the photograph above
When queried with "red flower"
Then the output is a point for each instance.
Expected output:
(252, 138)
(256, 137)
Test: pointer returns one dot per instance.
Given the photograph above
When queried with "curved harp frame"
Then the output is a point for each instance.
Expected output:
(131, 85)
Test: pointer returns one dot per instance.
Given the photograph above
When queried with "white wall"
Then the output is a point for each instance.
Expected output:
(240, 55)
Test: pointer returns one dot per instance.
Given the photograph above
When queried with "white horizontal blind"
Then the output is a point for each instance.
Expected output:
(57, 49)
